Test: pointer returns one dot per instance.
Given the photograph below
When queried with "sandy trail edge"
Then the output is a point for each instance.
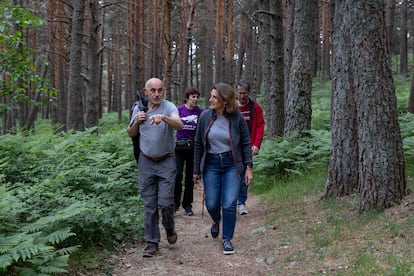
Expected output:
(197, 253)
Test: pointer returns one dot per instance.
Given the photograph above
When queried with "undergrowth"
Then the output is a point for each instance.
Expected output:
(64, 193)
(329, 237)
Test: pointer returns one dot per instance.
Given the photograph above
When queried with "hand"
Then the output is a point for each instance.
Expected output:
(141, 117)
(196, 178)
(248, 176)
(255, 150)
(156, 119)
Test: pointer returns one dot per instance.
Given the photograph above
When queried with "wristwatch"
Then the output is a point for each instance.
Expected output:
(249, 166)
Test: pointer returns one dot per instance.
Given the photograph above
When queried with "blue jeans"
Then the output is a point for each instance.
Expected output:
(243, 193)
(221, 188)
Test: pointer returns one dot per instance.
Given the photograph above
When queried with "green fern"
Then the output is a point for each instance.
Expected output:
(60, 215)
(64, 192)
(66, 251)
(36, 249)
(47, 270)
(58, 236)
(5, 261)
(284, 156)
(26, 271)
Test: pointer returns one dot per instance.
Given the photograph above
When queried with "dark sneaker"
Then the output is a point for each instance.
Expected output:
(171, 236)
(228, 248)
(150, 250)
(215, 229)
(188, 211)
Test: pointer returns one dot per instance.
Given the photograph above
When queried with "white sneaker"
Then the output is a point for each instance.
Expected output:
(243, 209)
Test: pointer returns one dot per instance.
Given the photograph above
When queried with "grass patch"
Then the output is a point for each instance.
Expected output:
(329, 237)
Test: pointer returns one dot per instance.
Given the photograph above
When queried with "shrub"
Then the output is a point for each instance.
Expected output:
(65, 191)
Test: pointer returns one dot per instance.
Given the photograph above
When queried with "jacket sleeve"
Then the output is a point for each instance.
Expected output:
(198, 143)
(258, 126)
(245, 142)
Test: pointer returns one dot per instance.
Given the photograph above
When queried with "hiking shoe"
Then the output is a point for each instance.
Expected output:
(150, 250)
(171, 236)
(228, 248)
(215, 228)
(188, 211)
(243, 209)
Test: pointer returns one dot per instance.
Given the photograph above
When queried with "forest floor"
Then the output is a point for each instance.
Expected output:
(261, 248)
(197, 253)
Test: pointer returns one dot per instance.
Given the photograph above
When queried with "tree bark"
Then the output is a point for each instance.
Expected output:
(92, 83)
(389, 22)
(277, 88)
(229, 49)
(411, 97)
(139, 46)
(156, 35)
(381, 173)
(326, 40)
(289, 19)
(167, 6)
(403, 39)
(298, 106)
(129, 56)
(242, 37)
(60, 67)
(343, 163)
(207, 50)
(74, 119)
(366, 134)
(187, 46)
(117, 74)
(219, 76)
(264, 19)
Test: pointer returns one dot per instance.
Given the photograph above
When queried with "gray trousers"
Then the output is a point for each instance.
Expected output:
(156, 187)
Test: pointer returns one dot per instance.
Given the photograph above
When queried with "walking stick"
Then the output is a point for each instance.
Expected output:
(200, 182)
(202, 205)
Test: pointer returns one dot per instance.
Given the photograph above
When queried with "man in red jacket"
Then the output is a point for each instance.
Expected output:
(253, 114)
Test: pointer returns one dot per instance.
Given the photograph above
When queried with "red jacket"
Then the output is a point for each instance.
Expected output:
(257, 123)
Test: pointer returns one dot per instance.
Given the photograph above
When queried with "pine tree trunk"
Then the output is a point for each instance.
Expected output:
(219, 77)
(381, 172)
(167, 6)
(366, 150)
(229, 49)
(92, 84)
(139, 46)
(343, 163)
(74, 119)
(277, 96)
(298, 105)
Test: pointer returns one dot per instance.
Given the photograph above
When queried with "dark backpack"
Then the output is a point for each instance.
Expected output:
(142, 105)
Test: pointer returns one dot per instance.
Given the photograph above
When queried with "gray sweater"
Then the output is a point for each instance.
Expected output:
(239, 140)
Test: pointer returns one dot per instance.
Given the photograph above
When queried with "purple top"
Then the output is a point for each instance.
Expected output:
(189, 118)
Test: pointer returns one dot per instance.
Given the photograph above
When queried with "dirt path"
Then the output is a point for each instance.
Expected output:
(197, 253)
